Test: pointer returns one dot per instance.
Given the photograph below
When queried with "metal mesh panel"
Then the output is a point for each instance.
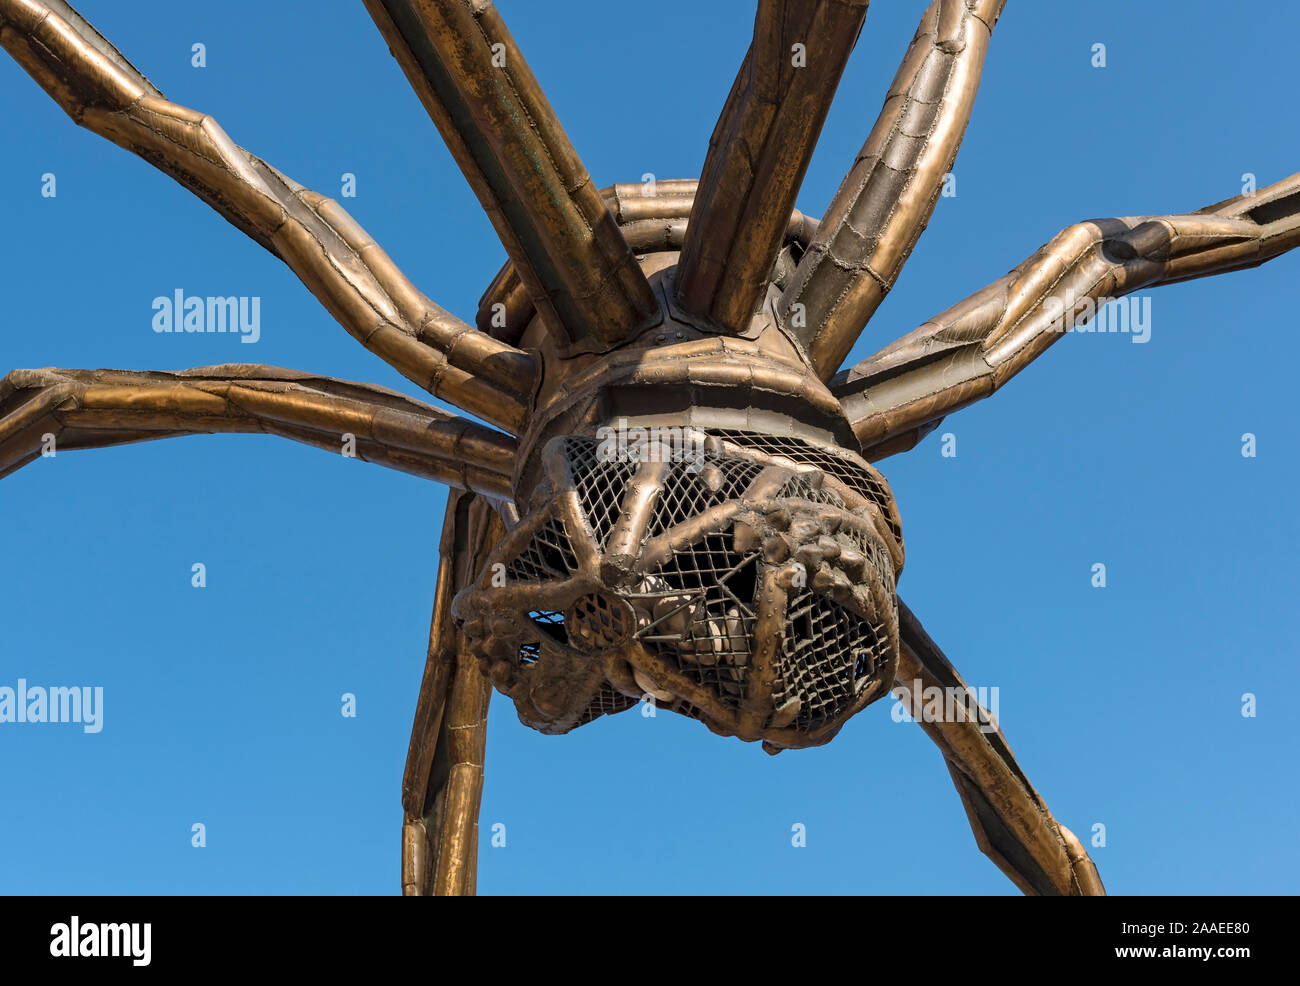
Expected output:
(686, 493)
(877, 557)
(596, 621)
(606, 702)
(548, 556)
(685, 708)
(828, 654)
(696, 613)
(707, 618)
(804, 490)
(845, 470)
(601, 485)
(548, 623)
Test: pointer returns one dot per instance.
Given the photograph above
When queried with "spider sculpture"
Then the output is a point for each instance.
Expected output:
(676, 502)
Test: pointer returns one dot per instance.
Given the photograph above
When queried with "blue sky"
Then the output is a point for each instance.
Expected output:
(222, 705)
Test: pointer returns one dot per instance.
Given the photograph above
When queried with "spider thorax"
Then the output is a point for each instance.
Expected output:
(693, 535)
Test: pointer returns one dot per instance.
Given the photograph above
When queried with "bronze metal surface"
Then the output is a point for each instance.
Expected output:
(759, 152)
(977, 345)
(885, 201)
(486, 103)
(96, 408)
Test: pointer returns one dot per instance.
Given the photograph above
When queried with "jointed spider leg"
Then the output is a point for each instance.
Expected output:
(475, 85)
(886, 199)
(362, 288)
(443, 783)
(972, 349)
(649, 223)
(1011, 823)
(759, 153)
(49, 410)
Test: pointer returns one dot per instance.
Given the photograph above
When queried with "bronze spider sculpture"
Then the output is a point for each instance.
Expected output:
(677, 503)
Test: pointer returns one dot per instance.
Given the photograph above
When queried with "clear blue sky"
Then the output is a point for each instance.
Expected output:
(222, 704)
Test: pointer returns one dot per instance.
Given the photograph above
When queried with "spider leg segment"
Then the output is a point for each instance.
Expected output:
(443, 783)
(963, 355)
(337, 261)
(886, 199)
(57, 410)
(649, 224)
(1011, 823)
(759, 153)
(474, 83)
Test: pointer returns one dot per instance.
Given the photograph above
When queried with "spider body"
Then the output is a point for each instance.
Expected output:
(693, 532)
(751, 590)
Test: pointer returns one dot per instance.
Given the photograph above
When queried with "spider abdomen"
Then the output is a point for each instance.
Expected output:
(741, 578)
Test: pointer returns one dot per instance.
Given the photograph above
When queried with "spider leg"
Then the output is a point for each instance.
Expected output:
(1012, 825)
(474, 83)
(966, 353)
(337, 261)
(60, 410)
(442, 786)
(886, 199)
(759, 153)
(649, 223)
